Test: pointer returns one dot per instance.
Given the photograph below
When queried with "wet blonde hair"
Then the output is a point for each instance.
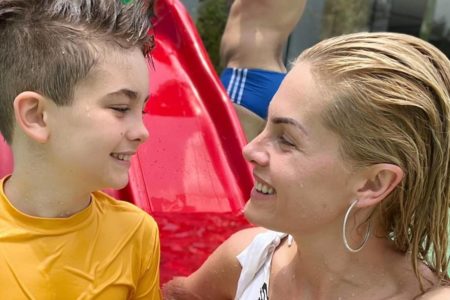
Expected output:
(391, 105)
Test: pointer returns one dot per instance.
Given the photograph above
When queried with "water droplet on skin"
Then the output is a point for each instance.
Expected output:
(87, 110)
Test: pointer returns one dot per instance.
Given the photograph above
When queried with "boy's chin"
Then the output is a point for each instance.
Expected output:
(120, 186)
(118, 183)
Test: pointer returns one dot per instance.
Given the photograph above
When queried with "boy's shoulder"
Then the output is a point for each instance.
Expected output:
(107, 201)
(121, 212)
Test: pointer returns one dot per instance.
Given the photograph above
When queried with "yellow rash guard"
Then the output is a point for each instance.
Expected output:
(110, 250)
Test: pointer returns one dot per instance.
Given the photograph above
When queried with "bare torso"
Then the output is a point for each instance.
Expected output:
(256, 31)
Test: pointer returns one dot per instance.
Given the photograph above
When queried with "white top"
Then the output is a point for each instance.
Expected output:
(256, 261)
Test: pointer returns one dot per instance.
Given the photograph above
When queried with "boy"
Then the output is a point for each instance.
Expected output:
(73, 85)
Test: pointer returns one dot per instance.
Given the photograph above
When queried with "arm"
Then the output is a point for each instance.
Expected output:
(217, 278)
(148, 284)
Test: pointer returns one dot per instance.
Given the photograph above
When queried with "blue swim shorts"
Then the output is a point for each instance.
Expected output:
(252, 88)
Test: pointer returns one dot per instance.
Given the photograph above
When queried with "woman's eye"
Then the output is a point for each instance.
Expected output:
(285, 141)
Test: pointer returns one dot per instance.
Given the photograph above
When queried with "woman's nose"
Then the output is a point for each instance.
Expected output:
(255, 151)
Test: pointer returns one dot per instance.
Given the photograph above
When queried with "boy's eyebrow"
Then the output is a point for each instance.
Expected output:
(289, 121)
(130, 94)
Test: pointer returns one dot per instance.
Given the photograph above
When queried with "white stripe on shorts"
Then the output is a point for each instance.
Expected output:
(230, 84)
(242, 85)
(236, 85)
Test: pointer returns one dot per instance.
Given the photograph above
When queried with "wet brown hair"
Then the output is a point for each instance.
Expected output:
(391, 104)
(48, 46)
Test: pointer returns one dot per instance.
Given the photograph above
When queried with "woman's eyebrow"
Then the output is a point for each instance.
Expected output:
(289, 121)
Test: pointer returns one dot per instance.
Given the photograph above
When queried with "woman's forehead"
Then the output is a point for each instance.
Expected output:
(299, 93)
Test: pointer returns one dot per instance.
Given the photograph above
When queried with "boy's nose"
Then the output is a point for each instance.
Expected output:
(138, 132)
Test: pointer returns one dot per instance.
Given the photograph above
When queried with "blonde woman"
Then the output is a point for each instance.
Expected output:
(351, 181)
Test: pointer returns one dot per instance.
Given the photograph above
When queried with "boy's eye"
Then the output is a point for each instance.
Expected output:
(121, 109)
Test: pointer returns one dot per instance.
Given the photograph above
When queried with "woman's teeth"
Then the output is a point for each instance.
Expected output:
(262, 188)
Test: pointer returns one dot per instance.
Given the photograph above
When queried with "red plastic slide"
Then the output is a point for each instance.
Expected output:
(190, 175)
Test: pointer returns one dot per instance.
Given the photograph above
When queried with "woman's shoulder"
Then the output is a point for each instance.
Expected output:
(441, 293)
(217, 277)
(237, 242)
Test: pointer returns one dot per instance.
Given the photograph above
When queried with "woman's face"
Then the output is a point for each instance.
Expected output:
(302, 184)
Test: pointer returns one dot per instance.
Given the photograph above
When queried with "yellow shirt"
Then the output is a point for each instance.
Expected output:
(110, 250)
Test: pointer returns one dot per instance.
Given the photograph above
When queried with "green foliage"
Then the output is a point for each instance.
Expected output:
(345, 16)
(212, 17)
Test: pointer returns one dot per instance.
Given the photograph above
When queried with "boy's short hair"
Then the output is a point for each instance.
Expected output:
(48, 46)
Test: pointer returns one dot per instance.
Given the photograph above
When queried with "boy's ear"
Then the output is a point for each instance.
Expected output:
(31, 115)
(379, 181)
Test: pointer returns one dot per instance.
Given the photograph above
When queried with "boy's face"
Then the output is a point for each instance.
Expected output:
(92, 140)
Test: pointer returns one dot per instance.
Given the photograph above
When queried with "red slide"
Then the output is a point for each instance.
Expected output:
(190, 174)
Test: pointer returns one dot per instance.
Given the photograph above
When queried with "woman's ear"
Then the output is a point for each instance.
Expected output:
(31, 115)
(379, 181)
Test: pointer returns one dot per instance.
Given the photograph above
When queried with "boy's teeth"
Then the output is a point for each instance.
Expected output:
(121, 156)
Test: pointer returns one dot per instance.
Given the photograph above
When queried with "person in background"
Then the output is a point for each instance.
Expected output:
(351, 172)
(251, 51)
(73, 86)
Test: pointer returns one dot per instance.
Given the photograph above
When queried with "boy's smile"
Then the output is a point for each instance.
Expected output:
(122, 156)
(96, 136)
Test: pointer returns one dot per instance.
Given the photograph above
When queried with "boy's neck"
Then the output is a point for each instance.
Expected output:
(44, 197)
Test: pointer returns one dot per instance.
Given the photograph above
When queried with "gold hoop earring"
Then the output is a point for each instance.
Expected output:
(344, 237)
